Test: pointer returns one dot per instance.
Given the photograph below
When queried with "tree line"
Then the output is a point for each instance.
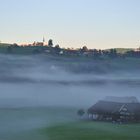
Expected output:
(84, 51)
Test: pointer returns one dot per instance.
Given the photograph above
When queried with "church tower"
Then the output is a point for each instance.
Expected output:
(43, 41)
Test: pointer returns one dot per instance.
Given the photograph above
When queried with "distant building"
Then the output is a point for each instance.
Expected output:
(117, 109)
(38, 44)
(43, 40)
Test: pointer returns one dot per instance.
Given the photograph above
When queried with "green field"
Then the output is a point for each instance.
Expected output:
(59, 124)
(25, 123)
(93, 131)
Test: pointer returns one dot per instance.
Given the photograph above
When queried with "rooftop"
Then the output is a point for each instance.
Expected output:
(127, 99)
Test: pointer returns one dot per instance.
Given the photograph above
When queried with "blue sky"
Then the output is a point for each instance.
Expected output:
(72, 23)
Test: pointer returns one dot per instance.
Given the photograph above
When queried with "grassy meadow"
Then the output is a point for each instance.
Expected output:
(93, 131)
(59, 124)
(25, 123)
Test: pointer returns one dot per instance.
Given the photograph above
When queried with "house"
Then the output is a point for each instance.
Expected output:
(38, 44)
(118, 111)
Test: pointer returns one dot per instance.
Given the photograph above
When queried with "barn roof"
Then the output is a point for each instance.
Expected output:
(133, 108)
(107, 107)
(127, 99)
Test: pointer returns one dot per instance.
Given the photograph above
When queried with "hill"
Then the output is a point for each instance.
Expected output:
(122, 50)
(4, 44)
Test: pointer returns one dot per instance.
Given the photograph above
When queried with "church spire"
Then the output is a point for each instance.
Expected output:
(43, 40)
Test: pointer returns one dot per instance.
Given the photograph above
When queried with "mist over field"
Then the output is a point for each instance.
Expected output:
(46, 81)
(38, 91)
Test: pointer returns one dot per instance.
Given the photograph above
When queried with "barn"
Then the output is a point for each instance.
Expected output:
(116, 110)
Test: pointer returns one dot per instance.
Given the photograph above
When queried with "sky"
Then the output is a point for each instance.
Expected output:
(72, 23)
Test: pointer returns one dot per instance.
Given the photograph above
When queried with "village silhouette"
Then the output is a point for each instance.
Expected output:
(50, 48)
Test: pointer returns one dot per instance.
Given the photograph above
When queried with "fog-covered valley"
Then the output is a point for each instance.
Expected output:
(41, 80)
(37, 91)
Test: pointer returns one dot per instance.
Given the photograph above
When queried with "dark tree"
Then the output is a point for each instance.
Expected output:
(15, 45)
(100, 52)
(84, 49)
(81, 112)
(113, 53)
(50, 43)
(132, 53)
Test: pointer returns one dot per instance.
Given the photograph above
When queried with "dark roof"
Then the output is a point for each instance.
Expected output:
(127, 99)
(133, 108)
(106, 107)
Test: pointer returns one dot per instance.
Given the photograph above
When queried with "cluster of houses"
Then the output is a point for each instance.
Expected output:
(49, 48)
(116, 109)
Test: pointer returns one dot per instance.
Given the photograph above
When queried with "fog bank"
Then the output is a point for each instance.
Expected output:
(51, 81)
